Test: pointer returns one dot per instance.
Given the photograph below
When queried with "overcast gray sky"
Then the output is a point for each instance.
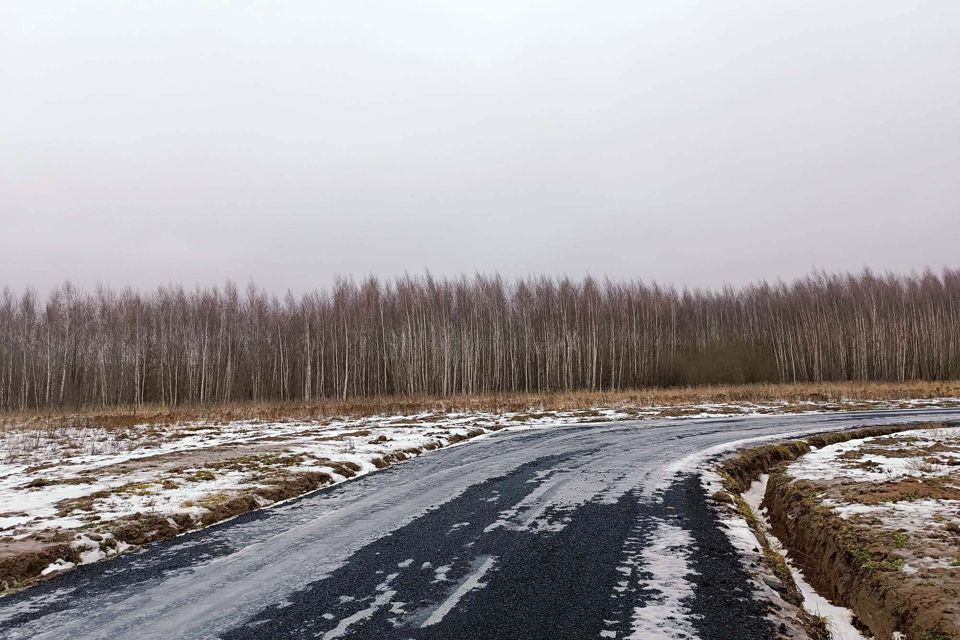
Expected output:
(693, 142)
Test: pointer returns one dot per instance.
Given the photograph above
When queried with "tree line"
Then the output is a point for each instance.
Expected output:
(428, 336)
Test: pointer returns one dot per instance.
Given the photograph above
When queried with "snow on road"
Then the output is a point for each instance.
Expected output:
(472, 581)
(665, 558)
(267, 560)
(78, 478)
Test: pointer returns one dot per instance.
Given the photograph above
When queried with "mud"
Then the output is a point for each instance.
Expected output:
(25, 559)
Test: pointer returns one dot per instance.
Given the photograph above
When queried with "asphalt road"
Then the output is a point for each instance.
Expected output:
(583, 531)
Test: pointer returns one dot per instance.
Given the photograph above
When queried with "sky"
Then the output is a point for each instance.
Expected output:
(698, 143)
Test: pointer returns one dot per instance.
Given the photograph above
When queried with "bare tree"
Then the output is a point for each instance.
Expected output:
(468, 335)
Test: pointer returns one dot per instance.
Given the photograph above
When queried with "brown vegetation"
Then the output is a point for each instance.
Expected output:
(671, 401)
(273, 477)
(748, 465)
(860, 566)
(21, 560)
(424, 337)
(854, 562)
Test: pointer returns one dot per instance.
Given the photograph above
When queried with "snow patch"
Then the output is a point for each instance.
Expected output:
(58, 565)
(827, 462)
(839, 619)
(481, 566)
(384, 596)
(665, 614)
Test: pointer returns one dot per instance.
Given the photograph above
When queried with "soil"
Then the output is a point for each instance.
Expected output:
(860, 567)
(750, 464)
(30, 557)
(854, 562)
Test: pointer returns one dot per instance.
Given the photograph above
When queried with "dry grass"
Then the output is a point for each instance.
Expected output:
(559, 401)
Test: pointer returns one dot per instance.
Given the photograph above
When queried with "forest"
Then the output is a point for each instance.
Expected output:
(426, 336)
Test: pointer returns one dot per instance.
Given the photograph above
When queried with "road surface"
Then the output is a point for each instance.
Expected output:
(581, 531)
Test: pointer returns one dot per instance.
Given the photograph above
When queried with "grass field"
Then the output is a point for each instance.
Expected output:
(847, 394)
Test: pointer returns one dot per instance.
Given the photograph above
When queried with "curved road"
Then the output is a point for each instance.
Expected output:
(582, 531)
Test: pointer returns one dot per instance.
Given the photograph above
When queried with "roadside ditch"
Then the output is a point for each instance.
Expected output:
(897, 582)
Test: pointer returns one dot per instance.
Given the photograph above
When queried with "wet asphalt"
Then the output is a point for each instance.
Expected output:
(547, 585)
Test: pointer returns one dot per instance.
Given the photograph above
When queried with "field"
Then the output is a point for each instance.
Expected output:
(890, 503)
(651, 402)
(79, 487)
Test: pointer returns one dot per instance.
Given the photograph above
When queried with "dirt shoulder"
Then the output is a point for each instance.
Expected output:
(871, 519)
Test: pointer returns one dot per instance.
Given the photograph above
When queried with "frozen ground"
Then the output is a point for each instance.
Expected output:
(900, 493)
(77, 481)
(900, 497)
(906, 484)
(839, 620)
(69, 484)
(460, 543)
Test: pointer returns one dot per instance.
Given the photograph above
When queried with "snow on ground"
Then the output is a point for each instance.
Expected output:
(76, 479)
(839, 619)
(27, 445)
(766, 583)
(912, 516)
(918, 454)
(907, 484)
(929, 457)
(79, 485)
(30, 495)
(904, 488)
